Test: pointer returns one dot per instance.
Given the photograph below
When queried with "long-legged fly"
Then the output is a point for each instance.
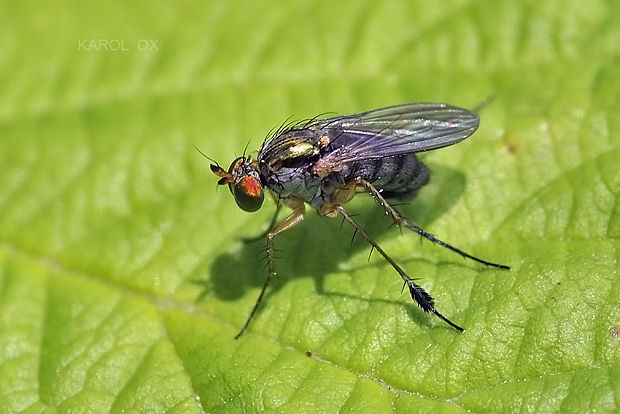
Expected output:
(321, 162)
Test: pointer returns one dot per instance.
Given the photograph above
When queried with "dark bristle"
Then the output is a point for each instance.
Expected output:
(422, 298)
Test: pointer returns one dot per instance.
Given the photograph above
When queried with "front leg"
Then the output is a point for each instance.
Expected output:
(272, 223)
(295, 218)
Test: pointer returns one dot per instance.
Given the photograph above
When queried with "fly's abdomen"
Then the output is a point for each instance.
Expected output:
(398, 176)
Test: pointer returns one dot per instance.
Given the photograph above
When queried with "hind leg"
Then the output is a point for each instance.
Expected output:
(403, 222)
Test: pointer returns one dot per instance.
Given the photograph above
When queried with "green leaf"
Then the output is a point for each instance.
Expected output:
(122, 276)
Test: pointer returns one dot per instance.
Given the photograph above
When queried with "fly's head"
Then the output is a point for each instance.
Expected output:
(244, 183)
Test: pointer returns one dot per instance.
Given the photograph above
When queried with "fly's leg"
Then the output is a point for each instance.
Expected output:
(422, 298)
(272, 223)
(401, 221)
(295, 218)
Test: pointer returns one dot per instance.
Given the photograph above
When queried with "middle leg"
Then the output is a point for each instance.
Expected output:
(422, 298)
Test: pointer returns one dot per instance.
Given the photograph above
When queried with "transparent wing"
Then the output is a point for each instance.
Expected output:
(394, 130)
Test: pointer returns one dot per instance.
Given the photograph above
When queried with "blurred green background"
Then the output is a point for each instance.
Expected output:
(122, 276)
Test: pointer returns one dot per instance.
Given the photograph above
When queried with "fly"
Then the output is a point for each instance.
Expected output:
(321, 162)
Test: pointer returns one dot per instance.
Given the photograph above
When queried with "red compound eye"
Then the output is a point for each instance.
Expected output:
(248, 194)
